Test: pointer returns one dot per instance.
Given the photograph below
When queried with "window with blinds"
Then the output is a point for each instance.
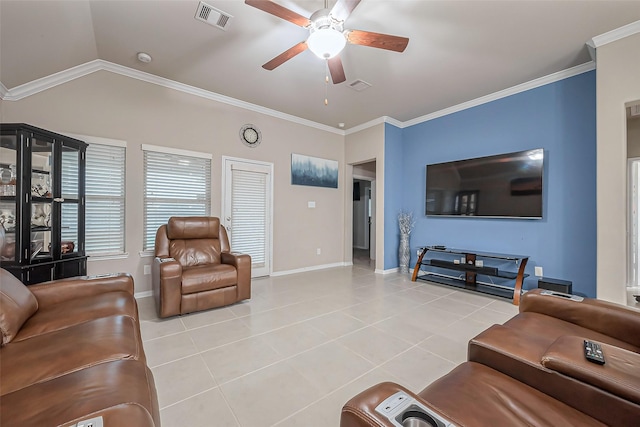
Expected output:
(174, 185)
(105, 200)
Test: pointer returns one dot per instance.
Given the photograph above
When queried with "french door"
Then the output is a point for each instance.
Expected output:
(247, 210)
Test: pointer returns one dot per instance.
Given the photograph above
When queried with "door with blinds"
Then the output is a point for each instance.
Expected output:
(247, 210)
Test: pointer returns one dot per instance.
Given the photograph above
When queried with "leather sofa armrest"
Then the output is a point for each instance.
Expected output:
(620, 374)
(167, 285)
(607, 318)
(242, 263)
(56, 291)
(360, 411)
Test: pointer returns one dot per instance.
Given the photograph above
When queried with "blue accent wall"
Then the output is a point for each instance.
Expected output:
(393, 192)
(560, 118)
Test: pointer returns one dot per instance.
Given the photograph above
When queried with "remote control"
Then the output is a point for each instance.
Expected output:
(593, 352)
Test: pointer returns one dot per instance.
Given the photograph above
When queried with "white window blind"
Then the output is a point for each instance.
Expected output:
(174, 185)
(249, 206)
(105, 199)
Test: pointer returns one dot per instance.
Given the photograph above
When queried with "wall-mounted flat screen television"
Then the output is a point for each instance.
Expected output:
(502, 186)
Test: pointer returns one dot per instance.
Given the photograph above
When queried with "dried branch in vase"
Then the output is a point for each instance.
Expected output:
(406, 222)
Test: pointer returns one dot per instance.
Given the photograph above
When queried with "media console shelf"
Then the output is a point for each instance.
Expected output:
(471, 264)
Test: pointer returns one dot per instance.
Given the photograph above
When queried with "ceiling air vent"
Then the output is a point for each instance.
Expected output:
(359, 85)
(212, 16)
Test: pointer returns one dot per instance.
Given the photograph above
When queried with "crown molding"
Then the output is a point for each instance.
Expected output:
(614, 35)
(39, 85)
(36, 86)
(551, 78)
(3, 91)
(367, 125)
(31, 88)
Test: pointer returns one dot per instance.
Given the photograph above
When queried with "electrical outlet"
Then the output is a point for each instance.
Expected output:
(538, 271)
(318, 251)
(147, 269)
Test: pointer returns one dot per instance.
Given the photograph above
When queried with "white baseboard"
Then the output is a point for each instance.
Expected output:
(389, 271)
(312, 268)
(360, 247)
(142, 294)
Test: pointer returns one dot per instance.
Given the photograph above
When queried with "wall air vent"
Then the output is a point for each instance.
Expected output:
(212, 16)
(359, 85)
(635, 110)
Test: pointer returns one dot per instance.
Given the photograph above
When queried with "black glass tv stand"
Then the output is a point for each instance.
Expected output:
(439, 264)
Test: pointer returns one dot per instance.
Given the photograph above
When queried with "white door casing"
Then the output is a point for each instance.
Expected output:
(247, 210)
(372, 236)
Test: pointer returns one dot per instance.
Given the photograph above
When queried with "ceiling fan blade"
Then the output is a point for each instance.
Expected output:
(343, 8)
(279, 11)
(381, 41)
(337, 70)
(285, 56)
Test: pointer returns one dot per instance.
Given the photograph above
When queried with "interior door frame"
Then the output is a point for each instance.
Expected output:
(225, 198)
(372, 230)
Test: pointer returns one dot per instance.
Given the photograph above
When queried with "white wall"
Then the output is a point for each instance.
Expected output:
(617, 83)
(365, 146)
(108, 105)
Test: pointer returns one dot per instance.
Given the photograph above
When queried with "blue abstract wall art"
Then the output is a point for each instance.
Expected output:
(313, 171)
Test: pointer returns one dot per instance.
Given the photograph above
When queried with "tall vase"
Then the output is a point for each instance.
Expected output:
(404, 254)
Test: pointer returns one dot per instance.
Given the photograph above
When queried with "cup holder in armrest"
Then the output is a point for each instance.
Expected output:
(561, 295)
(403, 410)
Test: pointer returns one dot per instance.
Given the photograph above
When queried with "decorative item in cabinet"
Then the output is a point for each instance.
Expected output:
(7, 179)
(40, 184)
(40, 215)
(8, 217)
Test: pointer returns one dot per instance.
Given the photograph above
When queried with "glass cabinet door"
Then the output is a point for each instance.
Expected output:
(42, 171)
(8, 185)
(70, 200)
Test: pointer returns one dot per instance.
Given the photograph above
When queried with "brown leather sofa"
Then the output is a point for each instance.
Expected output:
(194, 268)
(72, 351)
(531, 371)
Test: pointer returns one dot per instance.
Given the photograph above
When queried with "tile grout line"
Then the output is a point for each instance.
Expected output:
(395, 291)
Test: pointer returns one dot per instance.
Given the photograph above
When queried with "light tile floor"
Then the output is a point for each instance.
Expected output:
(306, 343)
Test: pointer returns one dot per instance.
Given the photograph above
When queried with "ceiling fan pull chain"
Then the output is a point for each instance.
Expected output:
(326, 83)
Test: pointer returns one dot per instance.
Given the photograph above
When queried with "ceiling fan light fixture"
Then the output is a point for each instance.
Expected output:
(326, 43)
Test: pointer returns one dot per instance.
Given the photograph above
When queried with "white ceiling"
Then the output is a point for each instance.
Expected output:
(458, 50)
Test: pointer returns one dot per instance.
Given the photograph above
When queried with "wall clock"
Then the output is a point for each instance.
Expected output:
(250, 135)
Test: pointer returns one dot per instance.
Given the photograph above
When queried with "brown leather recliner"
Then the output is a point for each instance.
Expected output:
(194, 269)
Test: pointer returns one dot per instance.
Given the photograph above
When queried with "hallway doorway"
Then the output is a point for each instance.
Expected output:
(364, 218)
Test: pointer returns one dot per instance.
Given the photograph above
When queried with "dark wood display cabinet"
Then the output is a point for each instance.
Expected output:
(42, 203)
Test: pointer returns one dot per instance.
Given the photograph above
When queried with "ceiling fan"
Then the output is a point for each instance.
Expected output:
(327, 36)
